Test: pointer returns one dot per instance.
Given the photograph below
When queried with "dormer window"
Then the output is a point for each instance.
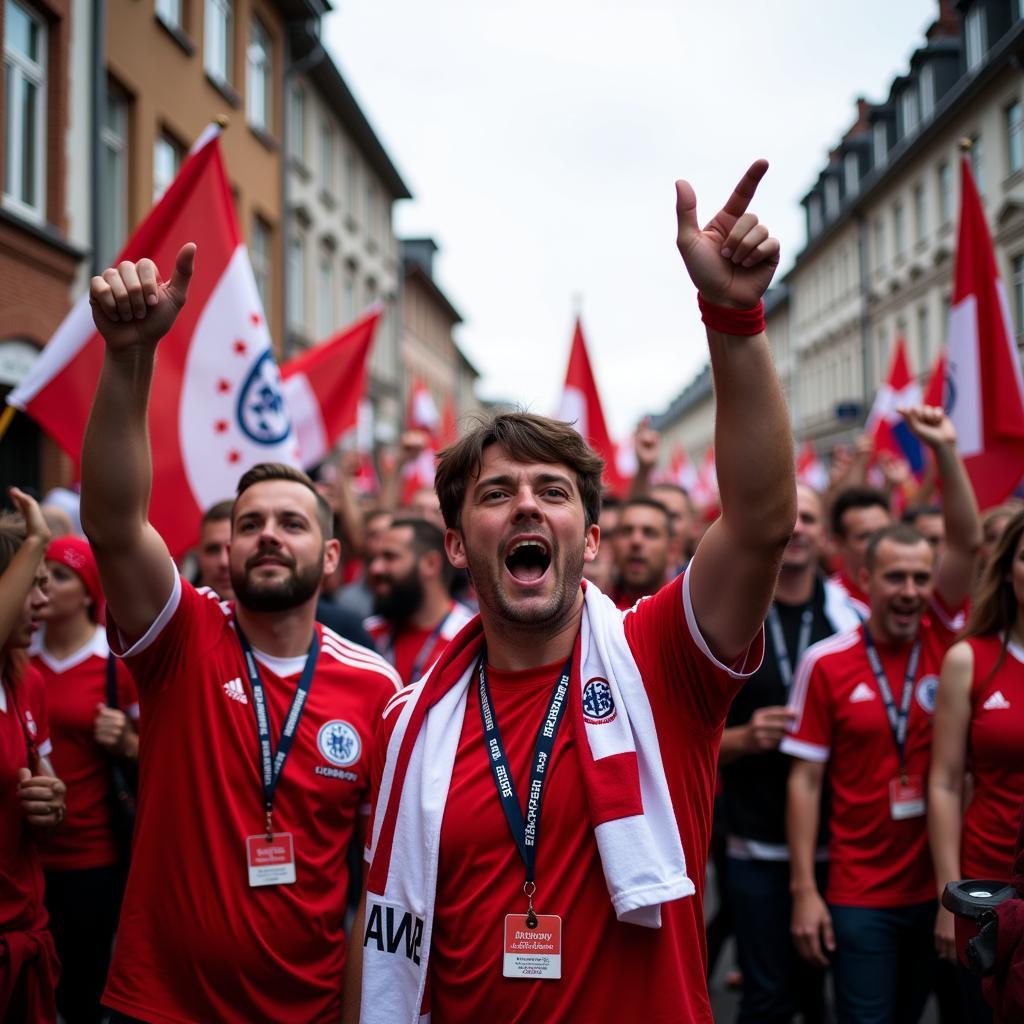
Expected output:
(880, 139)
(908, 110)
(813, 216)
(926, 89)
(851, 173)
(975, 36)
(831, 197)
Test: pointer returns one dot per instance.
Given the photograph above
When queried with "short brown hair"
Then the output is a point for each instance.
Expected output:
(898, 533)
(219, 512)
(264, 471)
(526, 437)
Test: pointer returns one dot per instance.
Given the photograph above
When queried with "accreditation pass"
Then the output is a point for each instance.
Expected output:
(533, 952)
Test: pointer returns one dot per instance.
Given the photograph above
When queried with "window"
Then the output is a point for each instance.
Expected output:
(851, 173)
(880, 139)
(297, 123)
(920, 214)
(899, 234)
(296, 281)
(1017, 285)
(879, 243)
(350, 182)
(927, 91)
(113, 224)
(167, 157)
(218, 22)
(945, 176)
(258, 77)
(349, 312)
(325, 297)
(260, 248)
(908, 110)
(327, 157)
(1014, 138)
(371, 209)
(974, 32)
(24, 111)
(831, 196)
(169, 12)
(975, 156)
(924, 346)
(813, 216)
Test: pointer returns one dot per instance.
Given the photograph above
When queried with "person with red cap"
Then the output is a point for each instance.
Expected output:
(82, 860)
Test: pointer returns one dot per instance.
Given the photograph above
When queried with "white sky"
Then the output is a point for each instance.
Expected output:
(540, 140)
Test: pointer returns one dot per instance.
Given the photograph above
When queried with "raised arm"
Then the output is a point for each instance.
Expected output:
(733, 573)
(133, 309)
(20, 575)
(959, 508)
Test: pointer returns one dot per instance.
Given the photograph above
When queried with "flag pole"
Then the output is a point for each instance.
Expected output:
(5, 419)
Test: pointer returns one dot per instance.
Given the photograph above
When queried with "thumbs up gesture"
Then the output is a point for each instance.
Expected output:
(733, 258)
(133, 306)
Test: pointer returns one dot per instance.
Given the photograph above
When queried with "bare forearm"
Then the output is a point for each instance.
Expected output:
(16, 582)
(640, 485)
(959, 506)
(945, 808)
(753, 442)
(117, 470)
(802, 821)
(734, 745)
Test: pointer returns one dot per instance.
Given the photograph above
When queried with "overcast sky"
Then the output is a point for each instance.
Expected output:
(541, 140)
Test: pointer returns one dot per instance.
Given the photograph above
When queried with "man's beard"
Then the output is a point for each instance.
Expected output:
(486, 573)
(402, 599)
(280, 595)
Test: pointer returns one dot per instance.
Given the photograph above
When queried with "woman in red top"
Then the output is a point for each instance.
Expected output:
(979, 728)
(84, 873)
(31, 798)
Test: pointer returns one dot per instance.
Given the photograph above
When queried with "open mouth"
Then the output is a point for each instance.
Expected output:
(527, 560)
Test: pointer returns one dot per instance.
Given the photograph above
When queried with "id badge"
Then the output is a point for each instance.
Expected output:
(533, 952)
(273, 862)
(906, 798)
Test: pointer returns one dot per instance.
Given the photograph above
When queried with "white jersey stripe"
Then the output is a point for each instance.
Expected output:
(830, 645)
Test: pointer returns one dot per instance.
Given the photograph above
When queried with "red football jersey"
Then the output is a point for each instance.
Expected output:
(74, 686)
(996, 759)
(196, 942)
(412, 651)
(480, 876)
(874, 861)
(22, 718)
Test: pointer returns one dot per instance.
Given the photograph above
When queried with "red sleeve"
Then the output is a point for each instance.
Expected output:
(675, 660)
(811, 736)
(946, 622)
(186, 626)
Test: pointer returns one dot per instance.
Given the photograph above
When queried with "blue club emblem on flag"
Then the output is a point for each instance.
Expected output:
(598, 705)
(262, 414)
(339, 743)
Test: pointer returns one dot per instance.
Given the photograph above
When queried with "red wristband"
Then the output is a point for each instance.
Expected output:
(743, 323)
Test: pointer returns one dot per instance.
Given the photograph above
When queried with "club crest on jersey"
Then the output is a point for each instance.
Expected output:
(262, 415)
(925, 693)
(339, 743)
(598, 705)
(30, 723)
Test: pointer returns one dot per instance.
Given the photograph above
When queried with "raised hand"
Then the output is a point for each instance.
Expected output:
(733, 259)
(930, 424)
(133, 306)
(35, 524)
(646, 442)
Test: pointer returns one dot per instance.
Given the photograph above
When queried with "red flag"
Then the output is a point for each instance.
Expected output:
(935, 392)
(420, 414)
(449, 432)
(323, 387)
(216, 406)
(887, 428)
(810, 470)
(986, 392)
(705, 494)
(581, 406)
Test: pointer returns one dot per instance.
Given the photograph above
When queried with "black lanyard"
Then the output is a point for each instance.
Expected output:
(428, 648)
(782, 658)
(273, 764)
(897, 719)
(525, 831)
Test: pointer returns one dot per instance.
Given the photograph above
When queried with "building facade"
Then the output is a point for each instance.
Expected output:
(342, 252)
(881, 222)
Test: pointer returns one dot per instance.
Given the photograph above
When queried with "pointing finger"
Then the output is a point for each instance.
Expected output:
(742, 194)
(686, 214)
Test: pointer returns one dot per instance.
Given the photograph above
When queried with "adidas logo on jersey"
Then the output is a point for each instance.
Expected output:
(861, 693)
(997, 702)
(236, 691)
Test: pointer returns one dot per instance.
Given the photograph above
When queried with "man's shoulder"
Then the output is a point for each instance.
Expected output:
(351, 659)
(831, 655)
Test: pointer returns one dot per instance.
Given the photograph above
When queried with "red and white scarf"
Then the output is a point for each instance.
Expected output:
(623, 777)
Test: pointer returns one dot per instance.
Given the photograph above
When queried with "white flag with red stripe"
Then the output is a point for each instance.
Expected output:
(216, 406)
(324, 385)
(984, 388)
(420, 414)
(810, 470)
